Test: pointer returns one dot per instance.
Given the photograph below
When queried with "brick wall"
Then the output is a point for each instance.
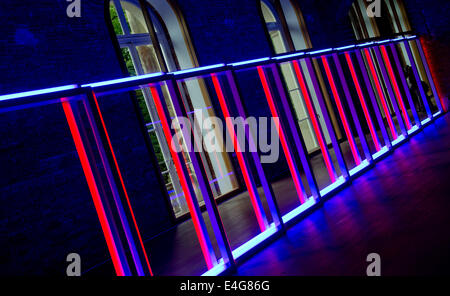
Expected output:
(47, 211)
(45, 201)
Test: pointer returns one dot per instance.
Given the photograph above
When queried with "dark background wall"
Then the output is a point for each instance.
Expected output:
(46, 209)
(430, 19)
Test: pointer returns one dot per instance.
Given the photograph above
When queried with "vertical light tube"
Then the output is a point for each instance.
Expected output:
(337, 99)
(312, 115)
(126, 227)
(118, 265)
(292, 167)
(390, 92)
(208, 197)
(326, 118)
(380, 93)
(373, 99)
(254, 197)
(405, 84)
(298, 141)
(363, 102)
(349, 100)
(395, 84)
(197, 219)
(267, 187)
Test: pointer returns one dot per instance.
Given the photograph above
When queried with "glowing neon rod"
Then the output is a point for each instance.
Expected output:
(398, 140)
(202, 178)
(348, 132)
(93, 189)
(363, 103)
(373, 99)
(257, 205)
(390, 92)
(425, 121)
(321, 51)
(267, 187)
(121, 80)
(200, 230)
(286, 56)
(117, 201)
(298, 141)
(396, 88)
(380, 93)
(381, 152)
(37, 92)
(249, 62)
(335, 144)
(312, 115)
(365, 44)
(216, 270)
(300, 209)
(198, 69)
(359, 168)
(284, 144)
(413, 129)
(345, 47)
(351, 105)
(116, 164)
(340, 181)
(240, 251)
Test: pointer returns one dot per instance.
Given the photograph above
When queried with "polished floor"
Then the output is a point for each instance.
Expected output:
(399, 209)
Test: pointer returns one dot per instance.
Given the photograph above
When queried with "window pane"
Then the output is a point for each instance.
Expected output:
(128, 61)
(148, 58)
(115, 19)
(135, 17)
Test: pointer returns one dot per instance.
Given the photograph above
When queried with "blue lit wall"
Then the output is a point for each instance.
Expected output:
(44, 199)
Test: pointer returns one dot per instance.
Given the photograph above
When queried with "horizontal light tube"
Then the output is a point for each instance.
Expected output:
(333, 186)
(381, 152)
(192, 70)
(37, 92)
(238, 252)
(121, 80)
(297, 211)
(359, 168)
(249, 62)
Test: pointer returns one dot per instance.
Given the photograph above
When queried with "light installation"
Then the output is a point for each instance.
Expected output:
(130, 257)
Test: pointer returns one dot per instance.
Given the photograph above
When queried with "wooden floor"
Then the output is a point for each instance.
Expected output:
(399, 209)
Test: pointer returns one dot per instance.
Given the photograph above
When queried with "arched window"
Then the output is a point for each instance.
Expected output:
(152, 38)
(392, 19)
(287, 31)
(285, 25)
